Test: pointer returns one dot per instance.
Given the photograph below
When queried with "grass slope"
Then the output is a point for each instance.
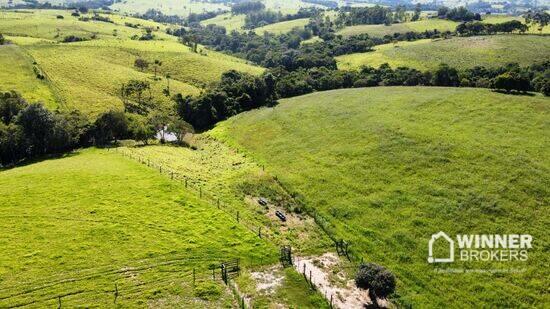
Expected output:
(76, 226)
(459, 52)
(424, 25)
(388, 167)
(416, 26)
(224, 174)
(282, 27)
(88, 75)
(229, 21)
(17, 74)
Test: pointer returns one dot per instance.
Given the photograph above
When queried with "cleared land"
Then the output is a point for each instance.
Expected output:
(282, 27)
(18, 74)
(424, 25)
(76, 226)
(459, 52)
(88, 75)
(416, 26)
(229, 21)
(388, 167)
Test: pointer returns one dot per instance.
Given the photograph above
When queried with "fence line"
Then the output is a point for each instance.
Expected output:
(196, 185)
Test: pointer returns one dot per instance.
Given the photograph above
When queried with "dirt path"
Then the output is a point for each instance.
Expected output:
(344, 295)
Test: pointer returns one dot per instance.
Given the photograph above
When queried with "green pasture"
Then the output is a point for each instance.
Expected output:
(387, 167)
(282, 27)
(76, 226)
(88, 75)
(459, 52)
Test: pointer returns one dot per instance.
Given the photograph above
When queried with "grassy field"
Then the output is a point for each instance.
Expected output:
(459, 52)
(184, 7)
(237, 182)
(388, 167)
(76, 226)
(423, 25)
(170, 7)
(282, 27)
(416, 26)
(88, 75)
(17, 74)
(229, 21)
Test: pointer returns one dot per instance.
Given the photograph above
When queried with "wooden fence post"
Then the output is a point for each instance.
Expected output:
(193, 277)
(237, 216)
(58, 302)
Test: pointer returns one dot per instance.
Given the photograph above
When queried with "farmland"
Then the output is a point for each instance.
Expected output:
(416, 26)
(147, 235)
(422, 25)
(229, 21)
(94, 219)
(390, 166)
(173, 165)
(282, 27)
(77, 83)
(490, 51)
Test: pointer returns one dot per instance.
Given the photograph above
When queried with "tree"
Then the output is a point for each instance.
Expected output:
(156, 66)
(180, 128)
(539, 17)
(12, 144)
(445, 76)
(2, 39)
(11, 103)
(133, 97)
(417, 11)
(37, 125)
(511, 81)
(110, 126)
(379, 281)
(140, 129)
(141, 64)
(160, 120)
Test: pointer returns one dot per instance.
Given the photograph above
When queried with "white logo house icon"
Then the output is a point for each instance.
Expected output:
(451, 257)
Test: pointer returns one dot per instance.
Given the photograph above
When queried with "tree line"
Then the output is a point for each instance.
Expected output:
(238, 92)
(30, 130)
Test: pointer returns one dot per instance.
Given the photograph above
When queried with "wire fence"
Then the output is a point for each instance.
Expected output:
(244, 218)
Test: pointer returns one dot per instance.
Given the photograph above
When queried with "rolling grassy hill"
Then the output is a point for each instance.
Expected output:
(390, 166)
(17, 73)
(282, 27)
(88, 75)
(77, 225)
(459, 52)
(416, 26)
(423, 25)
(229, 21)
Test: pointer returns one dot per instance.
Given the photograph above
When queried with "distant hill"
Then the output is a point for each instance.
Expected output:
(88, 75)
(459, 52)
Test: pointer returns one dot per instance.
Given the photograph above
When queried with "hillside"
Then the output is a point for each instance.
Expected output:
(282, 27)
(459, 52)
(422, 25)
(388, 167)
(416, 26)
(71, 69)
(77, 225)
